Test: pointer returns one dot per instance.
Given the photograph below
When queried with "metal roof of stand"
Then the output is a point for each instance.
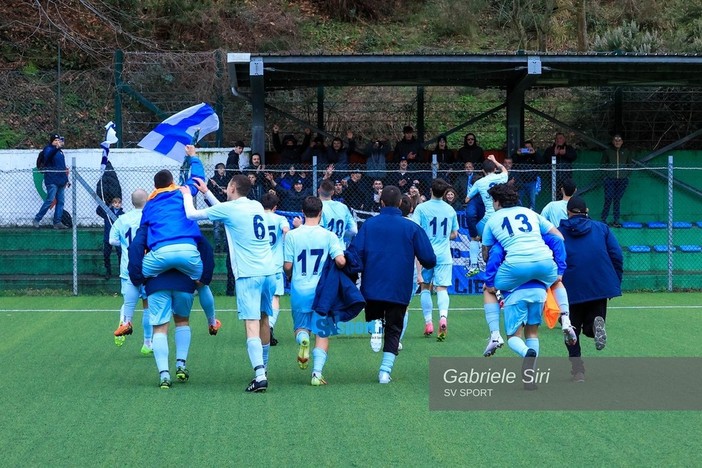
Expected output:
(474, 70)
(252, 75)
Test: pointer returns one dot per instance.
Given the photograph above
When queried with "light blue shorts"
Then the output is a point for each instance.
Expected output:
(510, 276)
(523, 307)
(440, 275)
(183, 257)
(279, 284)
(254, 295)
(321, 325)
(131, 295)
(164, 304)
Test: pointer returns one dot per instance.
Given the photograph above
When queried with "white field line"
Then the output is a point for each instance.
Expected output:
(414, 309)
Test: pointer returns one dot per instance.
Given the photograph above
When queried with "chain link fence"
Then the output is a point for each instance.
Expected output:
(659, 230)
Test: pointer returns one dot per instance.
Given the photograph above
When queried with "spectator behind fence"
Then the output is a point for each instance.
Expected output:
(470, 151)
(290, 200)
(290, 152)
(526, 163)
(257, 188)
(373, 203)
(114, 207)
(408, 147)
(237, 160)
(400, 178)
(218, 186)
(565, 156)
(55, 181)
(444, 155)
(616, 181)
(338, 154)
(451, 197)
(316, 148)
(255, 164)
(356, 189)
(376, 157)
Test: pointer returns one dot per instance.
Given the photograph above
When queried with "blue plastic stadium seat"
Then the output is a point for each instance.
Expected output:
(699, 224)
(681, 225)
(639, 248)
(660, 248)
(657, 225)
(633, 225)
(691, 248)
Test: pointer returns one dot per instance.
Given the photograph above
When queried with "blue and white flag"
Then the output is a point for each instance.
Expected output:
(110, 138)
(187, 127)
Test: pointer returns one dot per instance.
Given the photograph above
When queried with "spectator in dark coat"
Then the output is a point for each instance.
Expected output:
(470, 151)
(565, 156)
(290, 152)
(376, 157)
(593, 276)
(290, 200)
(408, 147)
(55, 181)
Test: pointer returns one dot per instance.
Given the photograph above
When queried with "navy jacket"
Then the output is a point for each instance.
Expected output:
(171, 280)
(387, 245)
(336, 292)
(54, 166)
(595, 261)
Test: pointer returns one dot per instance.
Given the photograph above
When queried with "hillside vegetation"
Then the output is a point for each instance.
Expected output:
(88, 31)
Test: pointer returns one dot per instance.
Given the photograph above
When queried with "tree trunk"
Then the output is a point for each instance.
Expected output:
(582, 25)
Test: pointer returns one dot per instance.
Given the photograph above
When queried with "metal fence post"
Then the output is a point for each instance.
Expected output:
(314, 176)
(553, 178)
(670, 223)
(74, 199)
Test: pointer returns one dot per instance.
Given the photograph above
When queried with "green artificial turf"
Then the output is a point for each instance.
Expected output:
(70, 397)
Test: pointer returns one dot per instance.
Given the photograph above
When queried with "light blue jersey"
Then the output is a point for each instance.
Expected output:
(245, 224)
(556, 211)
(276, 226)
(483, 185)
(519, 231)
(337, 218)
(308, 248)
(122, 232)
(439, 220)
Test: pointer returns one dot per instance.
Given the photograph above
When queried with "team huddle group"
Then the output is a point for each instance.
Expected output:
(167, 259)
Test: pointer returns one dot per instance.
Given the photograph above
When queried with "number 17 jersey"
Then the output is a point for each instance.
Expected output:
(308, 248)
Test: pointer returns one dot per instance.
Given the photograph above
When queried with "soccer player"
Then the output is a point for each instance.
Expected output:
(387, 245)
(120, 236)
(252, 263)
(556, 211)
(336, 216)
(170, 294)
(520, 232)
(307, 249)
(278, 227)
(480, 188)
(440, 222)
(172, 238)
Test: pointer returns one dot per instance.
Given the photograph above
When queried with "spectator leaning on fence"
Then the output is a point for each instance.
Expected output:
(55, 181)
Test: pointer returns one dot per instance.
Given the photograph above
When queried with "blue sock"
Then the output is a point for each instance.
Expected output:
(265, 348)
(182, 342)
(160, 347)
(561, 296)
(387, 363)
(492, 316)
(427, 306)
(533, 343)
(518, 345)
(255, 350)
(148, 328)
(404, 325)
(302, 335)
(319, 358)
(442, 302)
(204, 293)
